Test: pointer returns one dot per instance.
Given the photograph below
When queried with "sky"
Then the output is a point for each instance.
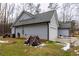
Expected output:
(44, 8)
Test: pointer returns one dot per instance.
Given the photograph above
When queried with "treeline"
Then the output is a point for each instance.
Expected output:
(5, 28)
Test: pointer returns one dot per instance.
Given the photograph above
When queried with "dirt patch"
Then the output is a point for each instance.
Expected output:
(7, 40)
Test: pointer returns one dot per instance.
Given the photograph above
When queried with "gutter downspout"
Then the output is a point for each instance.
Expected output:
(47, 30)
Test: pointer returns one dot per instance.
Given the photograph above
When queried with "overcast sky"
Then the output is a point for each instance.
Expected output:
(44, 8)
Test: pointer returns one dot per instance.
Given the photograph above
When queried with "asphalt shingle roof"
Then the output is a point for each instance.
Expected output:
(65, 25)
(38, 18)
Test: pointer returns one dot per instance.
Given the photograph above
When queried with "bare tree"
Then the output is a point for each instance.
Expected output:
(37, 9)
(53, 6)
(6, 11)
(10, 11)
(77, 10)
(31, 7)
(66, 12)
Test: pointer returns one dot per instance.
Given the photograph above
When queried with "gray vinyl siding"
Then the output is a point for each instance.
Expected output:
(19, 30)
(53, 28)
(12, 30)
(34, 29)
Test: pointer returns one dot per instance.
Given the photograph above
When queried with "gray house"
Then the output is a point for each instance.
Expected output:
(45, 25)
(64, 29)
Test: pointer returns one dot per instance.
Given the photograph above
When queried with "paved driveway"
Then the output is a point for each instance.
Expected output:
(73, 40)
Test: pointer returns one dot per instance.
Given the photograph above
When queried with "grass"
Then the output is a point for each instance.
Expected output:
(19, 49)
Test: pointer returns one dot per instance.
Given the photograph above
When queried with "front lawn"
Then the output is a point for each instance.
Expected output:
(19, 49)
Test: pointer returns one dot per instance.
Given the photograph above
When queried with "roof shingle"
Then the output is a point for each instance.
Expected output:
(43, 17)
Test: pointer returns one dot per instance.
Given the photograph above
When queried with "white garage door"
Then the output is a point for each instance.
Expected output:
(52, 33)
(64, 32)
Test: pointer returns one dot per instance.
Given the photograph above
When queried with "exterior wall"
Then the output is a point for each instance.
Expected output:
(19, 30)
(53, 33)
(13, 30)
(34, 29)
(53, 28)
(63, 32)
(43, 30)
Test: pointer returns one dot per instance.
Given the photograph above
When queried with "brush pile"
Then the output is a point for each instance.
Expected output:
(33, 41)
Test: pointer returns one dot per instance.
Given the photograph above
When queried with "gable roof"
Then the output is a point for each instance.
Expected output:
(29, 14)
(38, 18)
(65, 25)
